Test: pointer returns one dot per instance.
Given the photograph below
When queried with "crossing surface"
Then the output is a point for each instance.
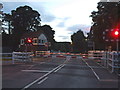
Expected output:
(58, 72)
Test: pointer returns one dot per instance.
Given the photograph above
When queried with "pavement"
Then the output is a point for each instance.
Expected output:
(57, 72)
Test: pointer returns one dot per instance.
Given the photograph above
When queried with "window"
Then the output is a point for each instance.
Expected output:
(22, 41)
(42, 41)
(39, 41)
(35, 41)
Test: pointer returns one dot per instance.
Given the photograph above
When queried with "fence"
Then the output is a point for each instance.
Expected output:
(42, 53)
(109, 59)
(113, 61)
(22, 56)
(6, 56)
(95, 55)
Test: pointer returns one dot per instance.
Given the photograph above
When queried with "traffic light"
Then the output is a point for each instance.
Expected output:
(111, 35)
(28, 41)
(115, 33)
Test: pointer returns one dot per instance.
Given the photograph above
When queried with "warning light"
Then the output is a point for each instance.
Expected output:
(111, 35)
(116, 33)
(28, 41)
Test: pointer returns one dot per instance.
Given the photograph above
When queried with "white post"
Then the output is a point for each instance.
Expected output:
(108, 57)
(112, 62)
(13, 62)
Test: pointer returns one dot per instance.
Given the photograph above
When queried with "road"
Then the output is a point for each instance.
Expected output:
(58, 72)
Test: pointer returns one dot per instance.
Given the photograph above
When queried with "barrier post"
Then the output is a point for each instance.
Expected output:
(13, 58)
(112, 57)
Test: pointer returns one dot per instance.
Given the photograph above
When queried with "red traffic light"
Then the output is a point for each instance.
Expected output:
(116, 33)
(28, 41)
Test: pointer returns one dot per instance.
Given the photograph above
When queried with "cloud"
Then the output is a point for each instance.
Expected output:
(47, 17)
(64, 37)
(9, 6)
(77, 27)
(63, 21)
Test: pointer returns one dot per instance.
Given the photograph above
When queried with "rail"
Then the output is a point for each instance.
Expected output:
(113, 61)
(110, 60)
(6, 56)
(22, 56)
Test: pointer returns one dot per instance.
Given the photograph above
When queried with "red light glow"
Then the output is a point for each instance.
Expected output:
(29, 40)
(116, 33)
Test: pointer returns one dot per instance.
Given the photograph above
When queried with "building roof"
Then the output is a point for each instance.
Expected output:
(33, 34)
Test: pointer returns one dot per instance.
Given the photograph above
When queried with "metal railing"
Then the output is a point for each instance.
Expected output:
(42, 53)
(113, 61)
(22, 56)
(6, 56)
(110, 60)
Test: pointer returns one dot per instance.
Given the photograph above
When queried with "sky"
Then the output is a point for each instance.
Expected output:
(64, 16)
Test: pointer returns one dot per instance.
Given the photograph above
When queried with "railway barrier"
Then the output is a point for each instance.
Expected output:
(110, 60)
(22, 57)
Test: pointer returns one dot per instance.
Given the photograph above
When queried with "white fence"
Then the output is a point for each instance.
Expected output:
(22, 56)
(109, 59)
(6, 56)
(95, 54)
(42, 53)
(113, 61)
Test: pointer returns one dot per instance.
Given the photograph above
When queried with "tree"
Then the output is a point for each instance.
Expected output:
(79, 43)
(107, 17)
(62, 46)
(23, 19)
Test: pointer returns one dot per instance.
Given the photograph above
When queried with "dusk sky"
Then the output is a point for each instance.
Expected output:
(64, 16)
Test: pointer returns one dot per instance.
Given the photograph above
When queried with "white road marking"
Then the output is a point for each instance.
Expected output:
(27, 86)
(92, 70)
(33, 82)
(59, 68)
(42, 80)
(56, 68)
(62, 65)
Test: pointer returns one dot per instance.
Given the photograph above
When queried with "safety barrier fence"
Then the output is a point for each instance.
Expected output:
(110, 60)
(6, 56)
(22, 56)
(42, 53)
(113, 61)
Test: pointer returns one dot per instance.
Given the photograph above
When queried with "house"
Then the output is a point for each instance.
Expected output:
(37, 41)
